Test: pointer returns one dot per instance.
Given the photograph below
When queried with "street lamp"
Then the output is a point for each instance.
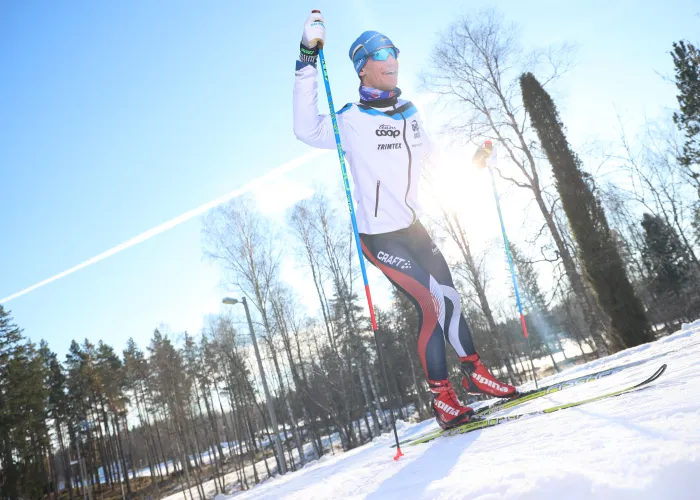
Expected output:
(270, 407)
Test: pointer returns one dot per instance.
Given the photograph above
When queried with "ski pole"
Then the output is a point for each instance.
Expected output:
(343, 169)
(510, 263)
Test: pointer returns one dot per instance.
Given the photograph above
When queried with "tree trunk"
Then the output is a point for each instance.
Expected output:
(252, 447)
(52, 467)
(114, 451)
(212, 435)
(285, 396)
(185, 466)
(66, 460)
(318, 444)
(104, 455)
(375, 397)
(235, 426)
(162, 450)
(151, 449)
(551, 356)
(422, 405)
(574, 326)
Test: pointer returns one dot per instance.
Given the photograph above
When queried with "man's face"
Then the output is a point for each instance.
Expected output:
(382, 75)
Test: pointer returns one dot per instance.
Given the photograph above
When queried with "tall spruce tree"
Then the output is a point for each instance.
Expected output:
(686, 62)
(598, 254)
(673, 277)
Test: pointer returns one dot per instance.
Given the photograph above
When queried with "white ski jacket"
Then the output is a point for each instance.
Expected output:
(385, 148)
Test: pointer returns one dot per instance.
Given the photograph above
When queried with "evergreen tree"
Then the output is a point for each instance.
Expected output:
(539, 318)
(23, 433)
(112, 376)
(28, 397)
(83, 396)
(599, 256)
(173, 392)
(136, 373)
(671, 270)
(686, 61)
(10, 338)
(57, 406)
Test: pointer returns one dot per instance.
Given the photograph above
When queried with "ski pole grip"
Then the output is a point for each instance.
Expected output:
(319, 42)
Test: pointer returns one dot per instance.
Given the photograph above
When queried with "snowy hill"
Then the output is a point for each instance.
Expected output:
(640, 445)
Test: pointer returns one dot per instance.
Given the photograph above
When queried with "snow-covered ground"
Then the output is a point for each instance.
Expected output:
(640, 445)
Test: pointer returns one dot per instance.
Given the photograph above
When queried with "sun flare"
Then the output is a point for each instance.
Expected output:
(452, 184)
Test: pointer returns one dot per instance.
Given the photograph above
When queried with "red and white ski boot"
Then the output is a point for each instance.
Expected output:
(478, 380)
(449, 412)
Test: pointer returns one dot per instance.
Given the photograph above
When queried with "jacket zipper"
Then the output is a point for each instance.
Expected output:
(410, 161)
(376, 200)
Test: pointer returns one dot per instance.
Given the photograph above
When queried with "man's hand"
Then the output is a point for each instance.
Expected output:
(314, 35)
(312, 38)
(482, 154)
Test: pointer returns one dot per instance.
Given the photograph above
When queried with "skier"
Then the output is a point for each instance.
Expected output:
(385, 144)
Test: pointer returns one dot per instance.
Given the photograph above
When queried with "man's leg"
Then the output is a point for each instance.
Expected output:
(476, 379)
(390, 254)
(431, 259)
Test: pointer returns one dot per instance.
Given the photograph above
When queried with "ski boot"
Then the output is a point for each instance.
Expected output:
(448, 411)
(478, 380)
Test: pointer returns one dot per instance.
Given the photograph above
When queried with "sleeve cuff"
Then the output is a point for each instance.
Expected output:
(307, 56)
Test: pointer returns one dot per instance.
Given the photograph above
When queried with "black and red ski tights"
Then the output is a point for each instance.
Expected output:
(413, 263)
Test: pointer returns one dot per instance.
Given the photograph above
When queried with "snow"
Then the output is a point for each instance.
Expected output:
(641, 445)
(692, 325)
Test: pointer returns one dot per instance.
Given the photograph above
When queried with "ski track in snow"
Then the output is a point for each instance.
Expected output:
(643, 445)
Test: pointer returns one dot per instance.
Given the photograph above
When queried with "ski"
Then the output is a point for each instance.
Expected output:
(479, 422)
(524, 397)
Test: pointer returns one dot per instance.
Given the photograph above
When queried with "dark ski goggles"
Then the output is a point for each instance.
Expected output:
(383, 54)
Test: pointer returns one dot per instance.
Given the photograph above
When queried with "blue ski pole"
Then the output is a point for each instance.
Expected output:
(343, 169)
(489, 147)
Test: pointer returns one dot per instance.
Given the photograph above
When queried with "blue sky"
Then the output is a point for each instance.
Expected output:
(118, 116)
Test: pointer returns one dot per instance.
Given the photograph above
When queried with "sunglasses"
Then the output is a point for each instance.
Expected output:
(383, 54)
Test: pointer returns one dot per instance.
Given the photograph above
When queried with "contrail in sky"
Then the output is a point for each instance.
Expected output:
(285, 167)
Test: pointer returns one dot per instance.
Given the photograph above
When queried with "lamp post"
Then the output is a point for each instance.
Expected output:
(268, 398)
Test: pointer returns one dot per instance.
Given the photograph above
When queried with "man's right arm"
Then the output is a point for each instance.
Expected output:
(309, 126)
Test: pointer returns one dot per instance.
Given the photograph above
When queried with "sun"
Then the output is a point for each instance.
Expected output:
(453, 184)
